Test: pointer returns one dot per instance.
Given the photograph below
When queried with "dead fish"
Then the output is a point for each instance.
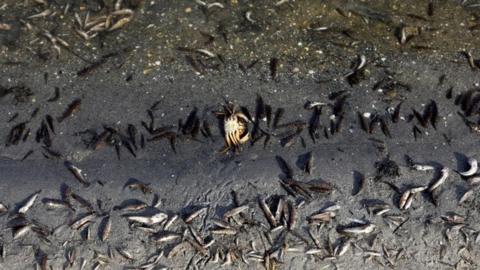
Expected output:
(135, 184)
(324, 216)
(235, 211)
(199, 248)
(29, 203)
(273, 67)
(423, 168)
(71, 256)
(20, 231)
(84, 202)
(44, 13)
(56, 203)
(120, 23)
(106, 229)
(196, 235)
(432, 112)
(224, 231)
(473, 163)
(292, 218)
(363, 122)
(267, 212)
(409, 201)
(165, 237)
(470, 60)
(79, 223)
(3, 209)
(71, 109)
(396, 112)
(453, 218)
(77, 173)
(444, 175)
(360, 183)
(342, 248)
(131, 205)
(195, 214)
(308, 168)
(404, 198)
(465, 196)
(358, 229)
(284, 166)
(149, 220)
(125, 253)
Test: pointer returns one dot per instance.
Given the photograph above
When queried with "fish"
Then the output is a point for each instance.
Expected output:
(273, 67)
(357, 229)
(56, 203)
(71, 256)
(135, 184)
(131, 205)
(443, 176)
(80, 222)
(224, 231)
(165, 237)
(465, 196)
(284, 166)
(125, 253)
(363, 122)
(29, 202)
(342, 248)
(16, 133)
(49, 119)
(473, 163)
(21, 231)
(449, 93)
(221, 224)
(235, 211)
(148, 220)
(360, 183)
(77, 173)
(85, 203)
(314, 124)
(267, 212)
(422, 167)
(308, 167)
(404, 198)
(72, 108)
(292, 218)
(120, 23)
(106, 228)
(189, 218)
(433, 113)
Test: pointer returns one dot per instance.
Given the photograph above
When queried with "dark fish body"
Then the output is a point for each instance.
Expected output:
(71, 109)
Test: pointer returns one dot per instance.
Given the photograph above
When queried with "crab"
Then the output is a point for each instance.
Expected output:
(235, 127)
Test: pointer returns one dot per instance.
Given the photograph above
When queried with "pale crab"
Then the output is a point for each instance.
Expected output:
(235, 127)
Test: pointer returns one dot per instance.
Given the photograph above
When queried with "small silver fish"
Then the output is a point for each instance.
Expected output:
(166, 237)
(29, 203)
(235, 211)
(444, 175)
(473, 163)
(149, 220)
(195, 214)
(107, 226)
(82, 221)
(361, 229)
(77, 173)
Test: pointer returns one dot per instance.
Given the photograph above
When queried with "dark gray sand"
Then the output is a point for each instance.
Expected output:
(169, 58)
